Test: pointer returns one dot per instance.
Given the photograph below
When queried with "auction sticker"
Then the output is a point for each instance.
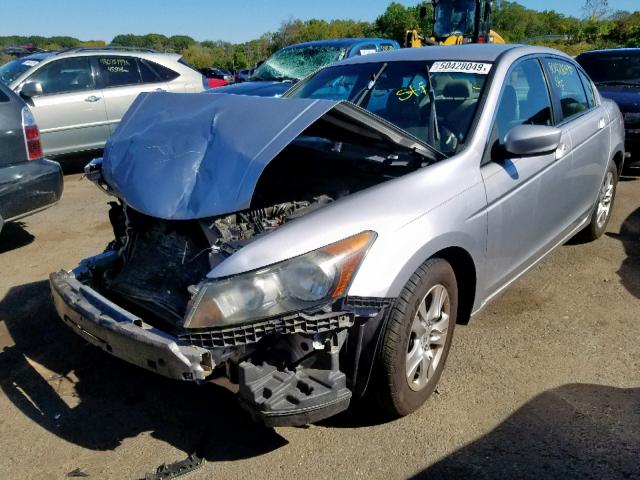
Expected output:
(461, 67)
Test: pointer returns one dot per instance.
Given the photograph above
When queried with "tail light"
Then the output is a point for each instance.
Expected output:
(481, 39)
(31, 135)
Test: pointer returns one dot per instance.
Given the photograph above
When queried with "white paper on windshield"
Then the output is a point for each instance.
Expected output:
(30, 63)
(461, 67)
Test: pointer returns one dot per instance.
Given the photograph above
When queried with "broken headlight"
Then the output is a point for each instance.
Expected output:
(298, 284)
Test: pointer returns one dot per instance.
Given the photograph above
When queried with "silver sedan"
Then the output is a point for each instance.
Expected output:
(320, 247)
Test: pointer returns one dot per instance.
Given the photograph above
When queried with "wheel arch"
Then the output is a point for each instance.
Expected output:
(464, 269)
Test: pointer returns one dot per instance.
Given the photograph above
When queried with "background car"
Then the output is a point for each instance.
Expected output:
(78, 96)
(217, 77)
(348, 229)
(291, 64)
(28, 182)
(617, 75)
(244, 75)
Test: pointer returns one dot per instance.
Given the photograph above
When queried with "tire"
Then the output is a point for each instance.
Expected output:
(604, 205)
(400, 388)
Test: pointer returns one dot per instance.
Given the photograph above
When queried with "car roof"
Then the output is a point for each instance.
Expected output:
(340, 42)
(76, 52)
(473, 53)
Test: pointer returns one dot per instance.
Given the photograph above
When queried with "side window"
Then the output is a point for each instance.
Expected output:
(119, 71)
(385, 47)
(568, 87)
(525, 99)
(165, 74)
(147, 74)
(65, 75)
(586, 83)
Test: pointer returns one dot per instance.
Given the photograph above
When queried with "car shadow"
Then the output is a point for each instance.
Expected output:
(86, 397)
(574, 431)
(75, 163)
(13, 236)
(629, 271)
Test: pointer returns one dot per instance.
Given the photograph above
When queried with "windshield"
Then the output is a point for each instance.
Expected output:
(399, 93)
(296, 63)
(455, 17)
(12, 70)
(613, 69)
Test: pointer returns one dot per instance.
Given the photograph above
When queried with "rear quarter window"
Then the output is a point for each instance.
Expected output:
(165, 73)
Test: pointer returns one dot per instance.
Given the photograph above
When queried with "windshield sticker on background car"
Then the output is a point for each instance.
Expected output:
(367, 51)
(30, 63)
(461, 67)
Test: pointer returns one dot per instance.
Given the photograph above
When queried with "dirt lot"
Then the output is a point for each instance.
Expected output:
(545, 383)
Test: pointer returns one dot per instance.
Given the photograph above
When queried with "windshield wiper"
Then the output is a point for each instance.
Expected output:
(364, 91)
(433, 135)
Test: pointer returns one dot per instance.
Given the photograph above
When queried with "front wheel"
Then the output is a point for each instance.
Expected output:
(417, 338)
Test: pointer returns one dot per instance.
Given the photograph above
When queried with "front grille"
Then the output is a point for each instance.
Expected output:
(254, 332)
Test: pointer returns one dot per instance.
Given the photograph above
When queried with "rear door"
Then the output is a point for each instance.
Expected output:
(71, 110)
(123, 79)
(585, 122)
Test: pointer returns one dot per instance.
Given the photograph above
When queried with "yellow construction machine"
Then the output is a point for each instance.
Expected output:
(457, 22)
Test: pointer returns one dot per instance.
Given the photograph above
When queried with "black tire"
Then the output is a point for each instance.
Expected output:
(395, 396)
(596, 227)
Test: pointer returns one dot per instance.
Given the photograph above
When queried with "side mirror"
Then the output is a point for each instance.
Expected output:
(528, 140)
(31, 89)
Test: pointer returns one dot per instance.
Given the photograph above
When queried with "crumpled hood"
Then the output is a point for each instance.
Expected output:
(256, 88)
(187, 156)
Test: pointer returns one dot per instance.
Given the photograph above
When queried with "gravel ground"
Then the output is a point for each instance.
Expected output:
(544, 383)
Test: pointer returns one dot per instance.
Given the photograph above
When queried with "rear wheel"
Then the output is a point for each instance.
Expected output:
(417, 338)
(604, 205)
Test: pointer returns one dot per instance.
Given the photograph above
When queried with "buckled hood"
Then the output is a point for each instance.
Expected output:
(187, 156)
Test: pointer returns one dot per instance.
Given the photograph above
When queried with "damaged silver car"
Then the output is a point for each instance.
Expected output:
(322, 247)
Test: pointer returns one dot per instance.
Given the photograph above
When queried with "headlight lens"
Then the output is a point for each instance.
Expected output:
(301, 283)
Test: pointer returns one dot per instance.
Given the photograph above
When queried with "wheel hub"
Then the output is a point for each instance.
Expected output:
(428, 337)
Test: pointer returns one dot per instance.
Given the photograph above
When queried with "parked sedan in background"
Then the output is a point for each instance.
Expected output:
(617, 75)
(330, 250)
(28, 182)
(291, 64)
(78, 96)
(217, 77)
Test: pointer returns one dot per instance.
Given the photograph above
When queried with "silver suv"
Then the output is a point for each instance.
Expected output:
(79, 95)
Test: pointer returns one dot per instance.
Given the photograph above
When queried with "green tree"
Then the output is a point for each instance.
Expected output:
(179, 43)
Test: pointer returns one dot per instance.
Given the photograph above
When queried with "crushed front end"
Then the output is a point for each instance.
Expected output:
(148, 301)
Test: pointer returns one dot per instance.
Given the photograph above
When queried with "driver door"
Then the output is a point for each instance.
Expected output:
(524, 194)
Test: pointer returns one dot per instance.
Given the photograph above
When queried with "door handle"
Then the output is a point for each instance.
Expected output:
(562, 151)
(602, 123)
(92, 98)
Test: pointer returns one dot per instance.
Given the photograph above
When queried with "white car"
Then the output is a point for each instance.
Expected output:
(78, 96)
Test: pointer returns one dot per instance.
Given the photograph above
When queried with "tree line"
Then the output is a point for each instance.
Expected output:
(599, 28)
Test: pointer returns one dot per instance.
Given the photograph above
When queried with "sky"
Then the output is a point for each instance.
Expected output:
(230, 20)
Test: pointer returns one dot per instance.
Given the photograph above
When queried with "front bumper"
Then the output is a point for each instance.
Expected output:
(120, 333)
(313, 390)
